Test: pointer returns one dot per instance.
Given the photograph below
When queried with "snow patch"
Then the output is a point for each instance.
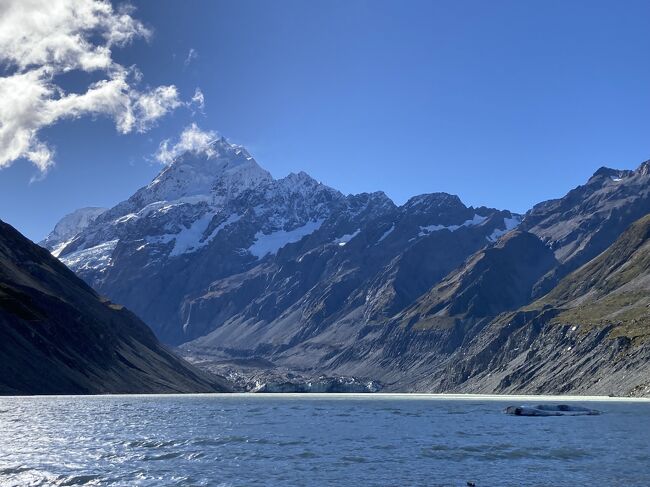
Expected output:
(476, 220)
(56, 251)
(163, 207)
(190, 239)
(126, 218)
(231, 219)
(341, 241)
(509, 224)
(271, 243)
(386, 233)
(186, 200)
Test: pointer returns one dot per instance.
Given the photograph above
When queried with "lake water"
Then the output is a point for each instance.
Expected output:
(381, 440)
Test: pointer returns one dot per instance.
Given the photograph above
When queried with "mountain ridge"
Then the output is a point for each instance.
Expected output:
(270, 219)
(292, 273)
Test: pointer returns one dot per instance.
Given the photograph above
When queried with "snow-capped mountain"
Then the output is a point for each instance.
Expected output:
(215, 218)
(219, 257)
(202, 198)
(68, 227)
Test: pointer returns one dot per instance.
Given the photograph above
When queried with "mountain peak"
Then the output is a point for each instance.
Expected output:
(300, 177)
(220, 147)
(69, 226)
(431, 200)
(219, 167)
(606, 171)
(302, 183)
(644, 168)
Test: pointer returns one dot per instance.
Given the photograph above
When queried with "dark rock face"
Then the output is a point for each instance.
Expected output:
(494, 280)
(58, 337)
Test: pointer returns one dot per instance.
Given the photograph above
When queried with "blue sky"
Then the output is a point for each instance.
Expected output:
(505, 103)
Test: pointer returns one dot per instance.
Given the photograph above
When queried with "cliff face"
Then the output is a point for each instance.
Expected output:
(57, 336)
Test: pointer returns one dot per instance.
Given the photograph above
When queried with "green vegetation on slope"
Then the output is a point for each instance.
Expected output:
(611, 289)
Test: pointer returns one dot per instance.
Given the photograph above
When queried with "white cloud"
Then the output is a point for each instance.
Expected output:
(41, 39)
(149, 107)
(191, 56)
(192, 139)
(198, 99)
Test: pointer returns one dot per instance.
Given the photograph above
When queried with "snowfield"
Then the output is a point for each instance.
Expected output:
(271, 243)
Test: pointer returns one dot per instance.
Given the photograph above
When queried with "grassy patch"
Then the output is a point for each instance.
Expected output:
(628, 312)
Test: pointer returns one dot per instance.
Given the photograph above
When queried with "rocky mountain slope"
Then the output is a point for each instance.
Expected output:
(495, 279)
(612, 289)
(57, 336)
(463, 335)
(288, 277)
(590, 334)
(589, 218)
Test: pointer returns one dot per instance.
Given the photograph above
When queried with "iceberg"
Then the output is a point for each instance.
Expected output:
(550, 410)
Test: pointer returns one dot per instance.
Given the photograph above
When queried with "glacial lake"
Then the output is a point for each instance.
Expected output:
(314, 440)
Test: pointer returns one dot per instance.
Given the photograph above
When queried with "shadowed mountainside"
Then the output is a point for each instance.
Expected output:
(590, 334)
(57, 336)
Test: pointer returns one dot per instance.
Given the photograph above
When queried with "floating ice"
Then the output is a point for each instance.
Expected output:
(550, 410)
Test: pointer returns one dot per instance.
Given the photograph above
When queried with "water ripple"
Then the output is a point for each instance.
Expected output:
(191, 441)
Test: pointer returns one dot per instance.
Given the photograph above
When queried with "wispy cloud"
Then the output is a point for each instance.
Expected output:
(191, 56)
(198, 99)
(192, 139)
(41, 39)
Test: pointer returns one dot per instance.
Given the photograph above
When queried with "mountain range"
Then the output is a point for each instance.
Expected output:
(267, 279)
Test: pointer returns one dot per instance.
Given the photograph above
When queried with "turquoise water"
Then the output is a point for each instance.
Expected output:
(313, 441)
